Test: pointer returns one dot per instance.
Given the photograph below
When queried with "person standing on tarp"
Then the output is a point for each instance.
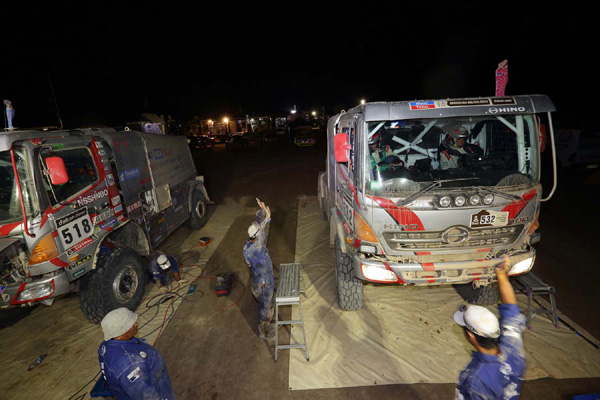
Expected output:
(10, 114)
(132, 368)
(498, 365)
(261, 270)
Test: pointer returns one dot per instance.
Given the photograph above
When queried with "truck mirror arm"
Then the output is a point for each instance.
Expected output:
(555, 183)
(25, 228)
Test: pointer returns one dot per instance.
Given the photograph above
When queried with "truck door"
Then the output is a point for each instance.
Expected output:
(83, 202)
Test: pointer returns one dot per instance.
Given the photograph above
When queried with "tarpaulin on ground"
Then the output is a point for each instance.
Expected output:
(71, 341)
(402, 334)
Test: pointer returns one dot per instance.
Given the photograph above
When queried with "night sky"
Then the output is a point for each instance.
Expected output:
(109, 62)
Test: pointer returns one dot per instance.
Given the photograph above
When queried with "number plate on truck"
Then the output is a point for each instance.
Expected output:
(74, 227)
(489, 218)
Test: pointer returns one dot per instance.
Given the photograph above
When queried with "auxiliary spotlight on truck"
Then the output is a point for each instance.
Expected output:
(434, 192)
(79, 208)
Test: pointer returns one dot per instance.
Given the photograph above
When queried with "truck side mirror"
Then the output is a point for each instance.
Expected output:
(542, 138)
(341, 147)
(57, 170)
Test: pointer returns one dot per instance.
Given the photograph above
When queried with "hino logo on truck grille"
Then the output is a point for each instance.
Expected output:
(455, 235)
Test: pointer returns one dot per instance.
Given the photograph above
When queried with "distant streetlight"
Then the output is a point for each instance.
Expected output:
(314, 113)
(294, 110)
(226, 122)
(362, 101)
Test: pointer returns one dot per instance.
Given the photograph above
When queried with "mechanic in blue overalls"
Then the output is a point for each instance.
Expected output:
(132, 368)
(261, 270)
(498, 365)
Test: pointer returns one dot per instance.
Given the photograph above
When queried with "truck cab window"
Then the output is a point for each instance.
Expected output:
(80, 168)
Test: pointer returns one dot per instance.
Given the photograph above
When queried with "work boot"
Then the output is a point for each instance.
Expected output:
(266, 331)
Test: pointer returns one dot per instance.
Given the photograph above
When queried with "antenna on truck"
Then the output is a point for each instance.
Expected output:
(58, 118)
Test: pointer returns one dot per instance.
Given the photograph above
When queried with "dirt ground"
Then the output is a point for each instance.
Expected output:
(221, 357)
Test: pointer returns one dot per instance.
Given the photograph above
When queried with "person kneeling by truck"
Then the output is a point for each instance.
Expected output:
(161, 266)
(498, 365)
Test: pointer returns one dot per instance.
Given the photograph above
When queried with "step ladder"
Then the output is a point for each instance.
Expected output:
(531, 285)
(289, 287)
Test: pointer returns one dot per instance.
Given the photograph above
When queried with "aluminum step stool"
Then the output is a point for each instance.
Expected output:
(289, 287)
(532, 285)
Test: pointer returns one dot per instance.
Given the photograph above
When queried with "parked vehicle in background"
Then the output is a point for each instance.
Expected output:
(79, 208)
(399, 214)
(578, 148)
(304, 136)
(201, 142)
(236, 141)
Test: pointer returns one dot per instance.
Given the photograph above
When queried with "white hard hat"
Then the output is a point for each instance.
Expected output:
(479, 320)
(117, 322)
(163, 261)
(253, 230)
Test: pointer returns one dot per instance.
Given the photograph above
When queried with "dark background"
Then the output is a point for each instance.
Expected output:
(110, 61)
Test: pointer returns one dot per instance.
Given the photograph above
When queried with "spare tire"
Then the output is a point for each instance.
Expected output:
(118, 281)
(199, 213)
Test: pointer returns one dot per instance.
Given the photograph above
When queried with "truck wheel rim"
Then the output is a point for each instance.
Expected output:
(125, 284)
(200, 209)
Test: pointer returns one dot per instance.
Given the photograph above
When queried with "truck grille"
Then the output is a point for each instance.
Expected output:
(453, 238)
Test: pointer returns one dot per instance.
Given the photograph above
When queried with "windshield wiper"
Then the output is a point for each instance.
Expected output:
(509, 196)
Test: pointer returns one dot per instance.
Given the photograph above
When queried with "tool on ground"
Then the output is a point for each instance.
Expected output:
(289, 287)
(37, 362)
(191, 289)
(204, 241)
(223, 286)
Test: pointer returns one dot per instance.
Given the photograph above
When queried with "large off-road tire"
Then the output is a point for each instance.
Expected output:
(349, 287)
(199, 213)
(483, 295)
(118, 281)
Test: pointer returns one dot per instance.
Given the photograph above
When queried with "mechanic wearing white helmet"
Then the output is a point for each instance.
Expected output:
(132, 368)
(161, 265)
(261, 270)
(450, 153)
(497, 366)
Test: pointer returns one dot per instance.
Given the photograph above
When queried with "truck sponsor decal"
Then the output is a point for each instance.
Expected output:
(81, 245)
(116, 200)
(129, 174)
(77, 274)
(74, 227)
(83, 201)
(421, 105)
(403, 216)
(104, 216)
(489, 218)
(134, 206)
(110, 179)
(78, 263)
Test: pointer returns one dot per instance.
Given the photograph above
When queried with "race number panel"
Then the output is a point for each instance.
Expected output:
(489, 218)
(73, 228)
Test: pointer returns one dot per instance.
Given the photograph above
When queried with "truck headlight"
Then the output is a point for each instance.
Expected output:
(460, 201)
(474, 200)
(445, 201)
(521, 266)
(378, 274)
(488, 199)
(36, 291)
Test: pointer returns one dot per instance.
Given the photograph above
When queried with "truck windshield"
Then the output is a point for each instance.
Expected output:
(10, 204)
(410, 155)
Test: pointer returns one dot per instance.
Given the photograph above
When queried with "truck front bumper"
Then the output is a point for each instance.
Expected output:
(46, 287)
(438, 273)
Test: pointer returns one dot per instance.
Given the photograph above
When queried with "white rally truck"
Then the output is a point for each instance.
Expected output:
(434, 192)
(79, 209)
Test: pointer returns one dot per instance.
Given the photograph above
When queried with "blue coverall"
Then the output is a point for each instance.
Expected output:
(160, 274)
(497, 377)
(261, 269)
(134, 370)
